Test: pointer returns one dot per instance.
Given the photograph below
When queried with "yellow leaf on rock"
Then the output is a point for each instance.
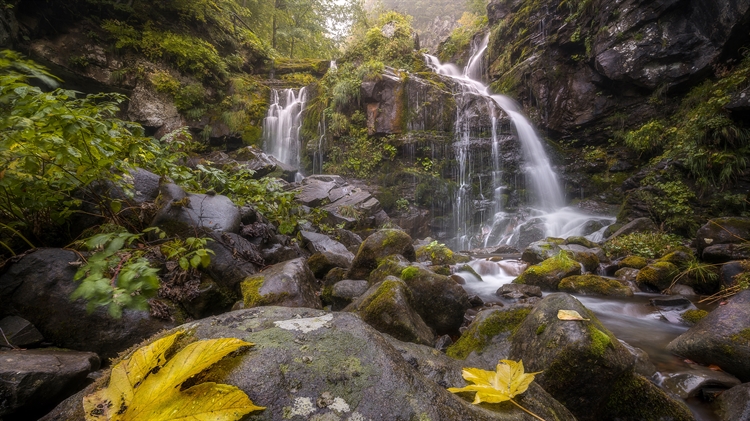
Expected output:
(497, 386)
(570, 315)
(147, 386)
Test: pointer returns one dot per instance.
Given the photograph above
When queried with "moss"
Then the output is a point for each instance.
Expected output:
(635, 262)
(658, 275)
(326, 295)
(742, 337)
(541, 328)
(541, 274)
(409, 273)
(599, 341)
(694, 316)
(252, 296)
(592, 284)
(652, 402)
(479, 334)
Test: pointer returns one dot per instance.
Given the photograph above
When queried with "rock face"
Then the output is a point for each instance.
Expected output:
(344, 369)
(33, 381)
(721, 338)
(289, 284)
(38, 288)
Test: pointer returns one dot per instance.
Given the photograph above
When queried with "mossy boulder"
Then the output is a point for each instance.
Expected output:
(387, 307)
(439, 254)
(581, 241)
(679, 258)
(437, 298)
(309, 364)
(390, 266)
(593, 284)
(734, 404)
(635, 398)
(729, 230)
(540, 251)
(183, 213)
(635, 262)
(658, 275)
(376, 247)
(587, 257)
(548, 274)
(486, 340)
(322, 263)
(288, 284)
(721, 338)
(579, 360)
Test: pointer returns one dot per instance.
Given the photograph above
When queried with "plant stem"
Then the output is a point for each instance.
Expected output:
(17, 233)
(527, 411)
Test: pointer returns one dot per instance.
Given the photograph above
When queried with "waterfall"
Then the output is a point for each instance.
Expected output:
(281, 127)
(498, 226)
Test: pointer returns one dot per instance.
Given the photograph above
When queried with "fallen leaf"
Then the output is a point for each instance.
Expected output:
(570, 315)
(148, 386)
(714, 367)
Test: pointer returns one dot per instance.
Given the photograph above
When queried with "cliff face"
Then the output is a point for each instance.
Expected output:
(578, 62)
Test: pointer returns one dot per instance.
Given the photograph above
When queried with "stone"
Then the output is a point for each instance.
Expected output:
(292, 366)
(153, 109)
(585, 367)
(234, 259)
(289, 284)
(377, 246)
(721, 338)
(721, 253)
(593, 284)
(729, 230)
(183, 212)
(32, 382)
(671, 303)
(320, 243)
(548, 274)
(518, 291)
(627, 275)
(19, 332)
(539, 251)
(437, 298)
(691, 384)
(387, 306)
(38, 288)
(634, 262)
(583, 255)
(658, 276)
(346, 291)
(636, 225)
(734, 404)
(730, 270)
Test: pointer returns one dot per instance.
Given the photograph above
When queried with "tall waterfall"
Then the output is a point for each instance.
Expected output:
(281, 127)
(497, 226)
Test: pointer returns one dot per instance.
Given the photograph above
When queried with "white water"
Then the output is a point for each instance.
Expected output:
(281, 127)
(499, 226)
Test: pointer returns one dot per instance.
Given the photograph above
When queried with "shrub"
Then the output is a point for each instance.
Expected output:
(648, 245)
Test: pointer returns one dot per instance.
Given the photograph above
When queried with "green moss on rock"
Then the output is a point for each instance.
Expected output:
(635, 262)
(635, 398)
(483, 329)
(694, 316)
(409, 273)
(657, 275)
(592, 284)
(550, 272)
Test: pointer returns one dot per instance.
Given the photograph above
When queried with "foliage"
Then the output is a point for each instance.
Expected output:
(190, 253)
(669, 202)
(388, 39)
(53, 144)
(649, 245)
(153, 385)
(117, 275)
(508, 381)
(459, 40)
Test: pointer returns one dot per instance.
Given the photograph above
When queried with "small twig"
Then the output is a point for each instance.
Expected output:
(527, 411)
(123, 259)
(7, 341)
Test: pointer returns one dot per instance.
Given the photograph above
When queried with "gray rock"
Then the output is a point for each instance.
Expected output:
(19, 332)
(363, 375)
(33, 381)
(289, 284)
(636, 225)
(730, 270)
(721, 338)
(627, 274)
(377, 246)
(438, 299)
(234, 259)
(729, 230)
(145, 185)
(319, 243)
(734, 404)
(517, 291)
(187, 212)
(672, 303)
(153, 109)
(344, 292)
(720, 253)
(38, 288)
(540, 251)
(691, 384)
(388, 307)
(322, 263)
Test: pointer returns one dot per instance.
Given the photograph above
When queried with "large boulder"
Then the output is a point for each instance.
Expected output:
(437, 298)
(38, 288)
(539, 251)
(184, 213)
(289, 284)
(309, 364)
(593, 284)
(33, 381)
(376, 247)
(721, 338)
(387, 306)
(584, 366)
(658, 276)
(734, 404)
(234, 259)
(548, 274)
(723, 232)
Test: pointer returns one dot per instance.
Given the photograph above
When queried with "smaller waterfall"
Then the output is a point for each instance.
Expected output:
(281, 127)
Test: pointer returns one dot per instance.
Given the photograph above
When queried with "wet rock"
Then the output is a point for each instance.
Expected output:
(440, 301)
(234, 259)
(720, 253)
(34, 381)
(721, 338)
(439, 254)
(627, 275)
(540, 251)
(691, 384)
(344, 292)
(548, 274)
(636, 225)
(18, 332)
(476, 301)
(658, 276)
(289, 284)
(38, 288)
(379, 245)
(528, 233)
(722, 231)
(680, 289)
(363, 376)
(635, 262)
(671, 303)
(319, 243)
(734, 404)
(583, 255)
(593, 284)
(388, 307)
(322, 263)
(518, 291)
(585, 366)
(183, 212)
(443, 343)
(643, 365)
(730, 270)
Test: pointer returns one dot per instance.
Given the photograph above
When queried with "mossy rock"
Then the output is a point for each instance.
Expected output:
(548, 274)
(437, 298)
(693, 316)
(634, 398)
(490, 327)
(387, 307)
(657, 275)
(390, 266)
(579, 360)
(679, 258)
(540, 251)
(586, 257)
(581, 241)
(593, 284)
(289, 284)
(378, 246)
(439, 254)
(635, 262)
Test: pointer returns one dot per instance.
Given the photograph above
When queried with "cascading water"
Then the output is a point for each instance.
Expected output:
(281, 127)
(499, 226)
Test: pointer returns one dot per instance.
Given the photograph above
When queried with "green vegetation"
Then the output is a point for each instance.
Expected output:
(649, 245)
(459, 40)
(481, 332)
(693, 316)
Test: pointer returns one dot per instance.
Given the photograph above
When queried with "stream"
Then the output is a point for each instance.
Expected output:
(631, 319)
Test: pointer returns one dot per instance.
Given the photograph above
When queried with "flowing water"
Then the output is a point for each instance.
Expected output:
(281, 127)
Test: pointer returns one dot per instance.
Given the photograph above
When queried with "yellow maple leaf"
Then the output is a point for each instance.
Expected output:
(508, 381)
(148, 387)
(570, 315)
